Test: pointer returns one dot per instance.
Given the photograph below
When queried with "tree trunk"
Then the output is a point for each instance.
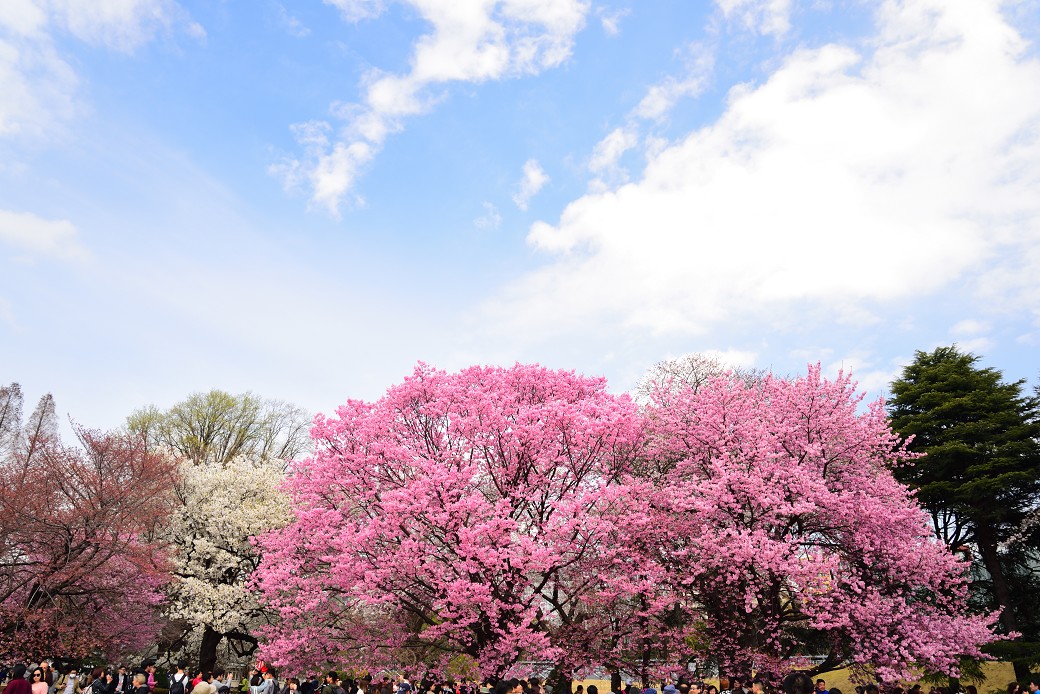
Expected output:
(987, 540)
(644, 670)
(208, 649)
(562, 683)
(615, 681)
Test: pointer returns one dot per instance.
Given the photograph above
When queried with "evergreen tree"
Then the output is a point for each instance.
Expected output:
(981, 472)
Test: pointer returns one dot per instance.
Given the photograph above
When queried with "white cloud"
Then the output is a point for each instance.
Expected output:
(472, 42)
(609, 150)
(37, 85)
(655, 105)
(870, 377)
(847, 179)
(970, 326)
(610, 20)
(491, 219)
(976, 345)
(662, 97)
(34, 236)
(356, 10)
(117, 24)
(735, 358)
(290, 23)
(762, 16)
(533, 181)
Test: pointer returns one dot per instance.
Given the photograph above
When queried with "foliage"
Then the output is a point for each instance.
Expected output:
(500, 514)
(217, 427)
(81, 568)
(980, 479)
(466, 513)
(781, 522)
(221, 508)
(240, 445)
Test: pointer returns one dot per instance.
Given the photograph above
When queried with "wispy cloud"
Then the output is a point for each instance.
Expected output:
(534, 179)
(762, 16)
(662, 97)
(610, 19)
(659, 100)
(291, 24)
(468, 43)
(33, 237)
(491, 219)
(37, 84)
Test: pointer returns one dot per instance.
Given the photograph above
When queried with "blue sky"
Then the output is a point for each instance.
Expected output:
(303, 199)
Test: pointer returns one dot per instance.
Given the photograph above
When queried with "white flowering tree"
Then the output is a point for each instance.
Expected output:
(223, 505)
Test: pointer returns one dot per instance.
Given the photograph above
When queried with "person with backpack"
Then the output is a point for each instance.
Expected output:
(179, 680)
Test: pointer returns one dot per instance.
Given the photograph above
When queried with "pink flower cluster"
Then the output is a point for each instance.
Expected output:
(523, 513)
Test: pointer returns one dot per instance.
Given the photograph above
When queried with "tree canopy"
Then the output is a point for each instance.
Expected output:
(980, 474)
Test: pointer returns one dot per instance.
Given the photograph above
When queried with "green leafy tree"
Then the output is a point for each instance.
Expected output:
(217, 427)
(980, 476)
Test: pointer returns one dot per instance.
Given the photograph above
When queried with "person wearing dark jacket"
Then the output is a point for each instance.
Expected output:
(18, 683)
(141, 683)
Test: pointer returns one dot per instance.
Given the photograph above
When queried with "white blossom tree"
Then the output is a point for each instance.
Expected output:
(222, 507)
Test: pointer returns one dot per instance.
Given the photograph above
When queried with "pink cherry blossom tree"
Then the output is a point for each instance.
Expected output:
(467, 513)
(522, 513)
(785, 534)
(81, 568)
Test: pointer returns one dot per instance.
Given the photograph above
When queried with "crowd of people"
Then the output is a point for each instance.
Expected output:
(46, 679)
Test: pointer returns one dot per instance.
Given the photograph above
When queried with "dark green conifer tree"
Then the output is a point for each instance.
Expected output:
(980, 476)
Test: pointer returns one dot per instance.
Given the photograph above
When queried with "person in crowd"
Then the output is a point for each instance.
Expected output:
(39, 684)
(69, 682)
(124, 681)
(798, 683)
(18, 684)
(1034, 684)
(329, 684)
(227, 679)
(96, 682)
(49, 676)
(179, 679)
(821, 687)
(205, 685)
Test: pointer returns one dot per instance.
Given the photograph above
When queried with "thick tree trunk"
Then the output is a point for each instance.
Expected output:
(208, 649)
(562, 683)
(615, 681)
(987, 541)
